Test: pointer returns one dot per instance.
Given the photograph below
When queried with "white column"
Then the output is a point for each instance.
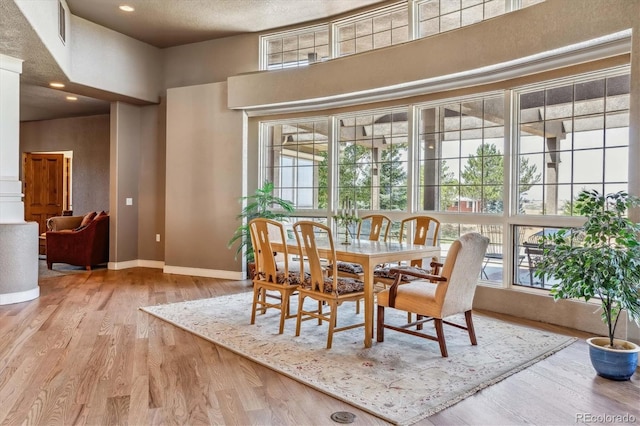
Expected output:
(11, 204)
(18, 239)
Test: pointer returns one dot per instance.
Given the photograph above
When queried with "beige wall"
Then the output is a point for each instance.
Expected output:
(125, 161)
(88, 138)
(152, 182)
(210, 61)
(204, 174)
(112, 62)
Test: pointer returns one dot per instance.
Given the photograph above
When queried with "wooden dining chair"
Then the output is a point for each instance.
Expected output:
(436, 297)
(328, 289)
(372, 226)
(425, 232)
(272, 285)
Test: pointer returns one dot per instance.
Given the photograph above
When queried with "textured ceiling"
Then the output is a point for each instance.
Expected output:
(166, 23)
(161, 23)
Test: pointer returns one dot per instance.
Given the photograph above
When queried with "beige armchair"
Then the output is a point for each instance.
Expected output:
(59, 223)
(435, 297)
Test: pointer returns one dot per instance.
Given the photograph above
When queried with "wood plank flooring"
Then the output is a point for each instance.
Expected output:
(82, 353)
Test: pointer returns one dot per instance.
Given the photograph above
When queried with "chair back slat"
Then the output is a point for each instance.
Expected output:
(426, 230)
(306, 232)
(379, 224)
(263, 233)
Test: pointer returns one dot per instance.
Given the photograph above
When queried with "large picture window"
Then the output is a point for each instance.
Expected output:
(296, 161)
(451, 159)
(373, 159)
(461, 156)
(577, 134)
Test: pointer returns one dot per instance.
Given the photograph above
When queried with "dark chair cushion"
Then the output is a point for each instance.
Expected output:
(345, 285)
(385, 272)
(352, 268)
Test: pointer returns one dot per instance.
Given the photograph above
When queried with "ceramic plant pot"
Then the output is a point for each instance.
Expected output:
(614, 364)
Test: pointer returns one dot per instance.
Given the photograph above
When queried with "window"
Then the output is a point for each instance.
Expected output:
(373, 159)
(296, 162)
(438, 16)
(373, 31)
(576, 135)
(450, 158)
(62, 23)
(295, 48)
(386, 26)
(460, 156)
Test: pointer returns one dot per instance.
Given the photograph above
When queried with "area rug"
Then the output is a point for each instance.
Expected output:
(401, 380)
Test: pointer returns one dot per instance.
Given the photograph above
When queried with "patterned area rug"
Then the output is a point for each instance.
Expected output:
(401, 380)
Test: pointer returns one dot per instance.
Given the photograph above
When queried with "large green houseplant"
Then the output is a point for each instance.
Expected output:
(600, 259)
(263, 203)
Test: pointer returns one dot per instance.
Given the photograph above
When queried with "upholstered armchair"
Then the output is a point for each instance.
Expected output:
(85, 245)
(434, 297)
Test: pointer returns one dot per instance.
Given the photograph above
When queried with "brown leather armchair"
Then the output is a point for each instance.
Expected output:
(84, 246)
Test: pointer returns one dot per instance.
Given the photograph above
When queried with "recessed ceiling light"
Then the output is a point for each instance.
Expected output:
(126, 8)
(56, 85)
(72, 98)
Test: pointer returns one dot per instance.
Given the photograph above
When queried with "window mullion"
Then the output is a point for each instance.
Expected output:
(332, 166)
(413, 145)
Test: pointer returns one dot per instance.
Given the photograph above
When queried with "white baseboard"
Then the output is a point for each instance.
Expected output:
(199, 272)
(156, 264)
(178, 270)
(20, 296)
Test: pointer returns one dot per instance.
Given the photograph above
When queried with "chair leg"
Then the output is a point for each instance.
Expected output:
(320, 304)
(299, 316)
(472, 331)
(284, 303)
(418, 318)
(254, 304)
(333, 319)
(440, 334)
(380, 327)
(263, 296)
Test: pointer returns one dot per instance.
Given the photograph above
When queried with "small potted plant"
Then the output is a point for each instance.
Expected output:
(600, 260)
(260, 204)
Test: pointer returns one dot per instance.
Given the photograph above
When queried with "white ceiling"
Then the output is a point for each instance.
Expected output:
(161, 23)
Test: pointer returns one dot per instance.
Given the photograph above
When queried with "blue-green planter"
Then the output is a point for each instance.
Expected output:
(614, 364)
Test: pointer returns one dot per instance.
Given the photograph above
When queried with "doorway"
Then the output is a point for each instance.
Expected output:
(47, 186)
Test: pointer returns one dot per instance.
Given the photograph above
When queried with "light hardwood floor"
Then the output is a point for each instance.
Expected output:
(82, 353)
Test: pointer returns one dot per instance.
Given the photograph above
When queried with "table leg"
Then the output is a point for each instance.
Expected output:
(368, 304)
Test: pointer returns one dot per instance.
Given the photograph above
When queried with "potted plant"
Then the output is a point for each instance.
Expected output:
(600, 260)
(260, 204)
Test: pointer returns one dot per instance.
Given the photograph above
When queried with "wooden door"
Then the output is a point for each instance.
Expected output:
(44, 190)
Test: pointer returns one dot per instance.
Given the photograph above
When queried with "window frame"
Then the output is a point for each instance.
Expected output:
(510, 218)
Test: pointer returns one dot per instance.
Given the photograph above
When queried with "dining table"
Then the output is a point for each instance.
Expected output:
(369, 254)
